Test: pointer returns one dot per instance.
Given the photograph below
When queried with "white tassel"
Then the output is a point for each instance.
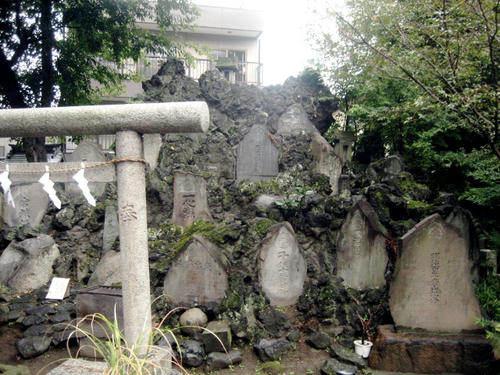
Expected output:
(5, 182)
(48, 186)
(83, 184)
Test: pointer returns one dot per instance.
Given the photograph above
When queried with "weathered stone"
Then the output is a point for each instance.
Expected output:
(31, 205)
(432, 287)
(107, 271)
(271, 350)
(28, 264)
(432, 353)
(275, 322)
(318, 340)
(393, 165)
(193, 320)
(326, 161)
(192, 353)
(344, 142)
(217, 336)
(218, 361)
(347, 356)
(151, 145)
(86, 152)
(295, 122)
(111, 228)
(282, 268)
(257, 157)
(190, 199)
(334, 367)
(361, 254)
(33, 346)
(265, 200)
(79, 367)
(197, 276)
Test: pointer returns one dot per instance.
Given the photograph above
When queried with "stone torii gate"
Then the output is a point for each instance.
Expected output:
(128, 122)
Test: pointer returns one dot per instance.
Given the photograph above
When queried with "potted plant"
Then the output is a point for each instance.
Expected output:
(364, 346)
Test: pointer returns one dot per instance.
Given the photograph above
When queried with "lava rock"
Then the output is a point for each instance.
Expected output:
(192, 353)
(218, 360)
(33, 346)
(293, 336)
(217, 336)
(318, 340)
(274, 321)
(345, 355)
(334, 367)
(271, 350)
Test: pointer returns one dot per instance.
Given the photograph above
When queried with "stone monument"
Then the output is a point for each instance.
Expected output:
(31, 205)
(257, 157)
(282, 268)
(190, 199)
(361, 254)
(197, 275)
(326, 161)
(295, 122)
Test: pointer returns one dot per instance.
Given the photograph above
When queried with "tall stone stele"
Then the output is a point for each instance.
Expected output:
(361, 254)
(190, 199)
(326, 161)
(282, 268)
(432, 287)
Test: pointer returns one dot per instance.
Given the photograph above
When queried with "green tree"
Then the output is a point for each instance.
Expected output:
(53, 52)
(424, 75)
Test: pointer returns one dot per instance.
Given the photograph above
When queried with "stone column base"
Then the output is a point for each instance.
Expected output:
(432, 353)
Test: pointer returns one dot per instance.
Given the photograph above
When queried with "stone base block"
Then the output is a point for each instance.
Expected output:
(432, 353)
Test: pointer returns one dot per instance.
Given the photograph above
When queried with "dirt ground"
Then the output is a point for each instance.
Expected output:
(302, 360)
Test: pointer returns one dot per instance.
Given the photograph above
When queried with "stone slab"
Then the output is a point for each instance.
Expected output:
(295, 122)
(361, 254)
(182, 117)
(432, 287)
(217, 336)
(111, 230)
(257, 156)
(31, 205)
(152, 145)
(282, 268)
(326, 161)
(190, 199)
(422, 352)
(79, 367)
(197, 276)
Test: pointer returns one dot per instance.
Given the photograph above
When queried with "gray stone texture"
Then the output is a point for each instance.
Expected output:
(218, 361)
(79, 367)
(197, 276)
(344, 143)
(111, 228)
(190, 199)
(186, 117)
(192, 321)
(152, 145)
(432, 287)
(361, 254)
(257, 156)
(326, 161)
(295, 122)
(217, 336)
(107, 271)
(31, 205)
(282, 268)
(28, 264)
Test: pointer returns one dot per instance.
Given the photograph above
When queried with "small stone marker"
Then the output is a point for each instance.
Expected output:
(344, 142)
(111, 228)
(190, 199)
(257, 157)
(282, 268)
(197, 276)
(432, 287)
(326, 161)
(58, 289)
(361, 254)
(295, 122)
(31, 205)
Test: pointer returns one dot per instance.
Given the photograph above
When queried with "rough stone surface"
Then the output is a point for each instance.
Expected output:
(28, 264)
(275, 322)
(192, 353)
(107, 271)
(217, 336)
(295, 122)
(334, 367)
(393, 165)
(282, 268)
(197, 276)
(271, 350)
(432, 353)
(318, 340)
(151, 145)
(79, 367)
(346, 356)
(361, 254)
(218, 361)
(257, 157)
(265, 200)
(190, 199)
(33, 346)
(111, 228)
(326, 161)
(432, 287)
(344, 142)
(31, 205)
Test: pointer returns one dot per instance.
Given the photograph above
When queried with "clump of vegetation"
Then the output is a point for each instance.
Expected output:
(271, 368)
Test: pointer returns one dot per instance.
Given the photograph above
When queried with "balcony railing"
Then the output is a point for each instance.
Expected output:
(240, 72)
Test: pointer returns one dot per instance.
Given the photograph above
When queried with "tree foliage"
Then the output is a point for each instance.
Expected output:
(423, 75)
(70, 52)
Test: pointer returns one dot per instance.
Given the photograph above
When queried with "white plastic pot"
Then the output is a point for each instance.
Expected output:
(363, 349)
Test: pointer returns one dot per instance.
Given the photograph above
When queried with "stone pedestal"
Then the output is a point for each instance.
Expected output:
(432, 353)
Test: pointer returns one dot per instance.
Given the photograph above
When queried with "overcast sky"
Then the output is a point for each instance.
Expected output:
(284, 48)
